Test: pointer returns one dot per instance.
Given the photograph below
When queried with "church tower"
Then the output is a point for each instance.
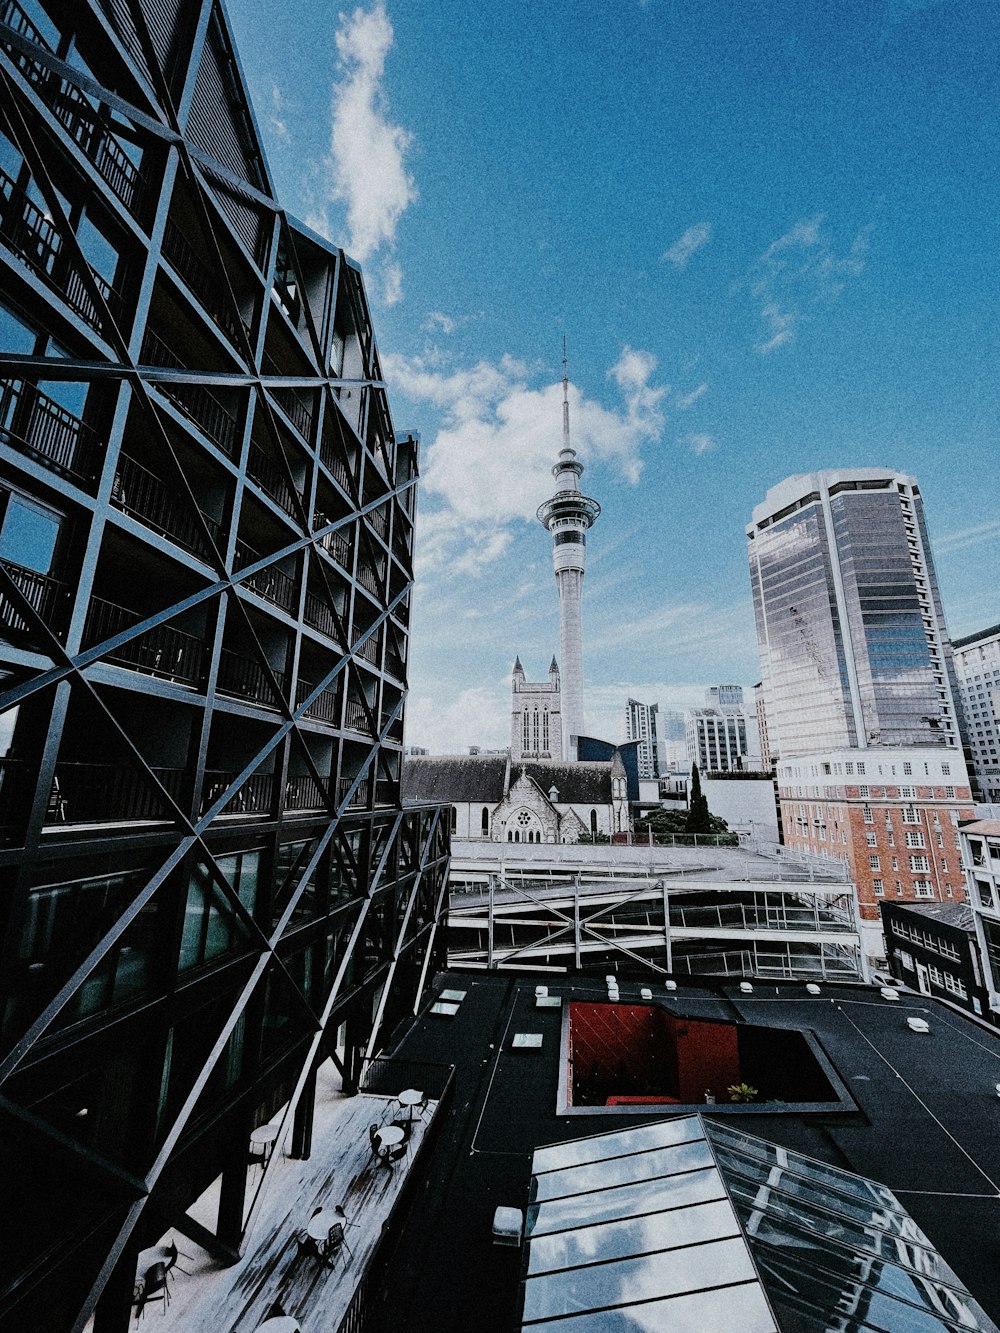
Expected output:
(568, 515)
(536, 730)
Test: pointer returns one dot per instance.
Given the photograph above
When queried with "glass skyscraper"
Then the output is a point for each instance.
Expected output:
(854, 651)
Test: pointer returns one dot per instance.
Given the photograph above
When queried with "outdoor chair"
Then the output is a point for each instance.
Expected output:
(308, 1248)
(154, 1288)
(335, 1241)
(172, 1256)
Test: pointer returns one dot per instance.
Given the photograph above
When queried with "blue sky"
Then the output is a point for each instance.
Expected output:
(771, 235)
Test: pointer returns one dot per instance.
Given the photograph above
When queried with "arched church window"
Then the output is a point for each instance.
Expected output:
(454, 819)
(486, 821)
(525, 730)
(534, 718)
(593, 822)
(545, 729)
(510, 835)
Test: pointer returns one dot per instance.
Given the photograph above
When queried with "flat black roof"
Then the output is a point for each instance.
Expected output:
(926, 1125)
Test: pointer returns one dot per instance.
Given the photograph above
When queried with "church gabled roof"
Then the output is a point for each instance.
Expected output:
(577, 784)
(454, 778)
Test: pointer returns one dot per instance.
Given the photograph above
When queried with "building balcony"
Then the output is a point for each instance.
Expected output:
(303, 792)
(395, 665)
(356, 718)
(379, 521)
(110, 794)
(254, 797)
(271, 583)
(361, 795)
(336, 466)
(335, 544)
(201, 281)
(243, 677)
(35, 424)
(370, 650)
(371, 581)
(76, 114)
(29, 234)
(197, 403)
(320, 616)
(270, 478)
(141, 494)
(47, 595)
(291, 401)
(324, 708)
(164, 652)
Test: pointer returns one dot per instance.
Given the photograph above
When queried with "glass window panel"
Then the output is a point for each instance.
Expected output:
(659, 1135)
(622, 1170)
(28, 536)
(625, 1201)
(643, 1278)
(633, 1235)
(698, 1312)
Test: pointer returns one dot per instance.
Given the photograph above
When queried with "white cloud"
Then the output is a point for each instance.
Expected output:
(699, 442)
(437, 320)
(449, 724)
(685, 246)
(685, 400)
(277, 120)
(366, 162)
(964, 537)
(392, 284)
(489, 466)
(799, 271)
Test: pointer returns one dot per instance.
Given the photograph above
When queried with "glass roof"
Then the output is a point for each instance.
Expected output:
(693, 1225)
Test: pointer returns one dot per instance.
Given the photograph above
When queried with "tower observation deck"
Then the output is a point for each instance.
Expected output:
(567, 516)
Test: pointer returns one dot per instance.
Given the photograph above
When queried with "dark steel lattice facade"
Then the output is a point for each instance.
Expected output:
(209, 883)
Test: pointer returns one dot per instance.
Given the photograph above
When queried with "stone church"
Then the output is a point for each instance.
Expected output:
(498, 798)
(536, 730)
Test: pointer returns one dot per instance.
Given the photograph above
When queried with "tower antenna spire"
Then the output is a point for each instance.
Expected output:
(566, 444)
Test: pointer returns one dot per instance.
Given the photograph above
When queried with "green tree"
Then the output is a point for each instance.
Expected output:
(698, 818)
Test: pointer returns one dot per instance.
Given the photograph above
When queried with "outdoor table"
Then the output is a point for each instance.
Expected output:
(319, 1225)
(410, 1098)
(391, 1136)
(264, 1136)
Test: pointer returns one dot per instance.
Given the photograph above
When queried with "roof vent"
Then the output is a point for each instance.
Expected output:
(746, 988)
(888, 993)
(917, 1024)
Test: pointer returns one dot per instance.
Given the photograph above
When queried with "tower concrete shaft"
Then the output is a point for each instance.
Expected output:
(567, 516)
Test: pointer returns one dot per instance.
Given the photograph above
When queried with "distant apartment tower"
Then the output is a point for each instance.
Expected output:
(672, 742)
(977, 665)
(858, 680)
(640, 725)
(766, 756)
(724, 696)
(718, 742)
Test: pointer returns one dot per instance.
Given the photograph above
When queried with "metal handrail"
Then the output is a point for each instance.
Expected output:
(145, 496)
(162, 651)
(53, 434)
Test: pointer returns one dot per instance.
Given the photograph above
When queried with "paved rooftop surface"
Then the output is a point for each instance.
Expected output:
(927, 1125)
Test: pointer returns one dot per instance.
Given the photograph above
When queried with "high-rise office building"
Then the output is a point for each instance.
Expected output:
(977, 664)
(724, 696)
(858, 680)
(640, 725)
(721, 741)
(568, 515)
(206, 529)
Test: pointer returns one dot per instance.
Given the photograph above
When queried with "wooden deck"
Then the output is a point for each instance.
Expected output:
(342, 1171)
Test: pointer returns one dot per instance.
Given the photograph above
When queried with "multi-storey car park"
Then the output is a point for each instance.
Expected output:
(206, 528)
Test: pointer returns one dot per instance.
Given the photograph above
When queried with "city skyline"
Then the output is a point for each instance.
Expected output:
(767, 237)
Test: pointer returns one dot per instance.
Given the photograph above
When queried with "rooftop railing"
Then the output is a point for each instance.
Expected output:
(47, 430)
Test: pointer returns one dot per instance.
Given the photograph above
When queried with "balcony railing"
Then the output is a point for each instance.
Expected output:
(47, 595)
(254, 797)
(34, 422)
(139, 492)
(335, 464)
(356, 718)
(361, 795)
(202, 282)
(394, 664)
(303, 792)
(371, 580)
(369, 650)
(75, 113)
(243, 677)
(170, 654)
(269, 476)
(290, 400)
(271, 583)
(379, 520)
(324, 708)
(110, 794)
(318, 614)
(335, 543)
(197, 403)
(35, 240)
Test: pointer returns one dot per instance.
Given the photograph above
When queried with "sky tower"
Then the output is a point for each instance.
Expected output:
(568, 515)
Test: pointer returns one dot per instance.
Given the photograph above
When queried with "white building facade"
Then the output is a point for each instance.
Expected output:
(536, 724)
(640, 725)
(977, 665)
